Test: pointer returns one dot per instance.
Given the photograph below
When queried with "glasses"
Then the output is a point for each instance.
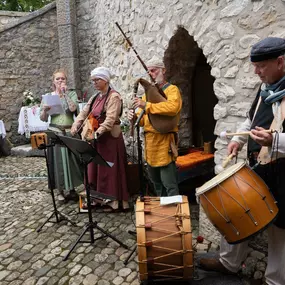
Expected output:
(96, 79)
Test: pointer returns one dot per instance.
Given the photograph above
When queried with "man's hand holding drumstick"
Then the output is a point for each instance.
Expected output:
(260, 135)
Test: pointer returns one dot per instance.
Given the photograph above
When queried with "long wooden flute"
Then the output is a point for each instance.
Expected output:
(141, 61)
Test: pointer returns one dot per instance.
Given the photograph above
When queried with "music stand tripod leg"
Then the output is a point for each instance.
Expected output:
(58, 216)
(90, 225)
(110, 235)
(130, 255)
(47, 220)
(142, 183)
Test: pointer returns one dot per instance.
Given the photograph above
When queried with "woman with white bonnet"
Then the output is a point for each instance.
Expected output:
(106, 108)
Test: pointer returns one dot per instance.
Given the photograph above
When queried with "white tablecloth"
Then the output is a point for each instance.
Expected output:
(29, 121)
(81, 106)
(2, 129)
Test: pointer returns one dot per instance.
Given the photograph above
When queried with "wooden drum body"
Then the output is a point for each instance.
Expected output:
(164, 240)
(238, 203)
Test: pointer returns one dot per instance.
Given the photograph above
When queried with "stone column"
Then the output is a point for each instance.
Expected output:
(68, 50)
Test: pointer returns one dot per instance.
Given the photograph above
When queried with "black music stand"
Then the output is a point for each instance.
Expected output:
(58, 216)
(141, 177)
(86, 153)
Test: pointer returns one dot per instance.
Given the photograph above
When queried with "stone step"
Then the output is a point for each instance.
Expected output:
(26, 150)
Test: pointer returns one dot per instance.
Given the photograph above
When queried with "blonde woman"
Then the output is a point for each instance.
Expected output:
(63, 166)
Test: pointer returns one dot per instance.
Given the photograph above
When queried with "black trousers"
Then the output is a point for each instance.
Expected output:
(273, 175)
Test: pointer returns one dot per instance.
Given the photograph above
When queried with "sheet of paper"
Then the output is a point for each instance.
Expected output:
(170, 200)
(54, 102)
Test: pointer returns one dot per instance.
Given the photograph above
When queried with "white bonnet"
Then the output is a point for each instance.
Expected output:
(102, 72)
(155, 62)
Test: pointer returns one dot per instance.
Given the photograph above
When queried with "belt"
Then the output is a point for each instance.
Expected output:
(252, 157)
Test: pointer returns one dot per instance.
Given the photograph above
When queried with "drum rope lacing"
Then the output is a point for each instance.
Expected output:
(245, 207)
(179, 217)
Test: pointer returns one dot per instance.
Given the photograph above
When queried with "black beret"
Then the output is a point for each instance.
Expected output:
(267, 48)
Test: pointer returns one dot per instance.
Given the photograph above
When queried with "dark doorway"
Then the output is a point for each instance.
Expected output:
(187, 68)
(203, 103)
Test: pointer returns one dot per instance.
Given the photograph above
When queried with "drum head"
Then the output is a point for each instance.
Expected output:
(220, 178)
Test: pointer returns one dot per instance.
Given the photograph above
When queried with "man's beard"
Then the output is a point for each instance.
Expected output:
(160, 77)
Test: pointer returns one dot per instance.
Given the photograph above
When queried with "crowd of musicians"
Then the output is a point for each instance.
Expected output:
(99, 123)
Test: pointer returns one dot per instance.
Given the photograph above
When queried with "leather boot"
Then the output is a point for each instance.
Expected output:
(213, 264)
(72, 196)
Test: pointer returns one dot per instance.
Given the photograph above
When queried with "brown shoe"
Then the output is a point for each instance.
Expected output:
(213, 264)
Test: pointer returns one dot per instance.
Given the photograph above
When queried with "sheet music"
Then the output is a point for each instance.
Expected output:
(54, 102)
(170, 200)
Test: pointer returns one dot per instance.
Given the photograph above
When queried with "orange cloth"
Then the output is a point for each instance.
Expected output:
(192, 159)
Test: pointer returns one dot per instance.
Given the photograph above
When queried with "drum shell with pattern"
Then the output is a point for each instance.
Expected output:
(170, 255)
(37, 139)
(238, 203)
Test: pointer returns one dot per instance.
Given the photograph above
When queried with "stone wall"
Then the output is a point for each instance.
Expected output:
(223, 30)
(7, 17)
(28, 57)
(225, 36)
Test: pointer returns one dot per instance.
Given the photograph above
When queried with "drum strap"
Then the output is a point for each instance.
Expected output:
(264, 156)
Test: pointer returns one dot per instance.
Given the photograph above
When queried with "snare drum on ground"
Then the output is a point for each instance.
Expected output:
(164, 240)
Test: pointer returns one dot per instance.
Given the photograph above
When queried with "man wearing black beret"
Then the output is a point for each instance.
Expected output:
(267, 57)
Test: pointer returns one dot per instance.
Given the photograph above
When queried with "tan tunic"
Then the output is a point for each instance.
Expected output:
(112, 108)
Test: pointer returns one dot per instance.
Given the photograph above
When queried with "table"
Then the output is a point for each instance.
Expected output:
(29, 121)
(81, 106)
(2, 129)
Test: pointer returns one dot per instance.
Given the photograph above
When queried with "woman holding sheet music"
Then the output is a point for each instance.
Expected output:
(102, 113)
(63, 166)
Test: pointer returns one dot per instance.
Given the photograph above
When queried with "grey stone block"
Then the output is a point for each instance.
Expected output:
(26, 150)
(66, 12)
(67, 41)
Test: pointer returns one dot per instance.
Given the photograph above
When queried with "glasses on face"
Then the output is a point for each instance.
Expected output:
(96, 80)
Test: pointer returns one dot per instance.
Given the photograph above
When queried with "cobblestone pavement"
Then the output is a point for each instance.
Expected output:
(33, 258)
(28, 257)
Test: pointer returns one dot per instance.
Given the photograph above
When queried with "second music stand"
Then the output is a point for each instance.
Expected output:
(142, 180)
(86, 153)
(58, 215)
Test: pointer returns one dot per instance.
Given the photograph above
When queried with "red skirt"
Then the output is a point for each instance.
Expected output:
(111, 181)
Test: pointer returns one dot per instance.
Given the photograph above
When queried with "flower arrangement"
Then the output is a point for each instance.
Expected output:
(125, 125)
(29, 99)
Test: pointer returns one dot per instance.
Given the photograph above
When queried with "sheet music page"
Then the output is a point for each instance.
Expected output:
(170, 200)
(54, 102)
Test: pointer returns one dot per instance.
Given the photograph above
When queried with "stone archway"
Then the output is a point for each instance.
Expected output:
(188, 69)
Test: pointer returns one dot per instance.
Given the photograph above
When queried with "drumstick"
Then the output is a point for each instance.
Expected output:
(227, 160)
(224, 134)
